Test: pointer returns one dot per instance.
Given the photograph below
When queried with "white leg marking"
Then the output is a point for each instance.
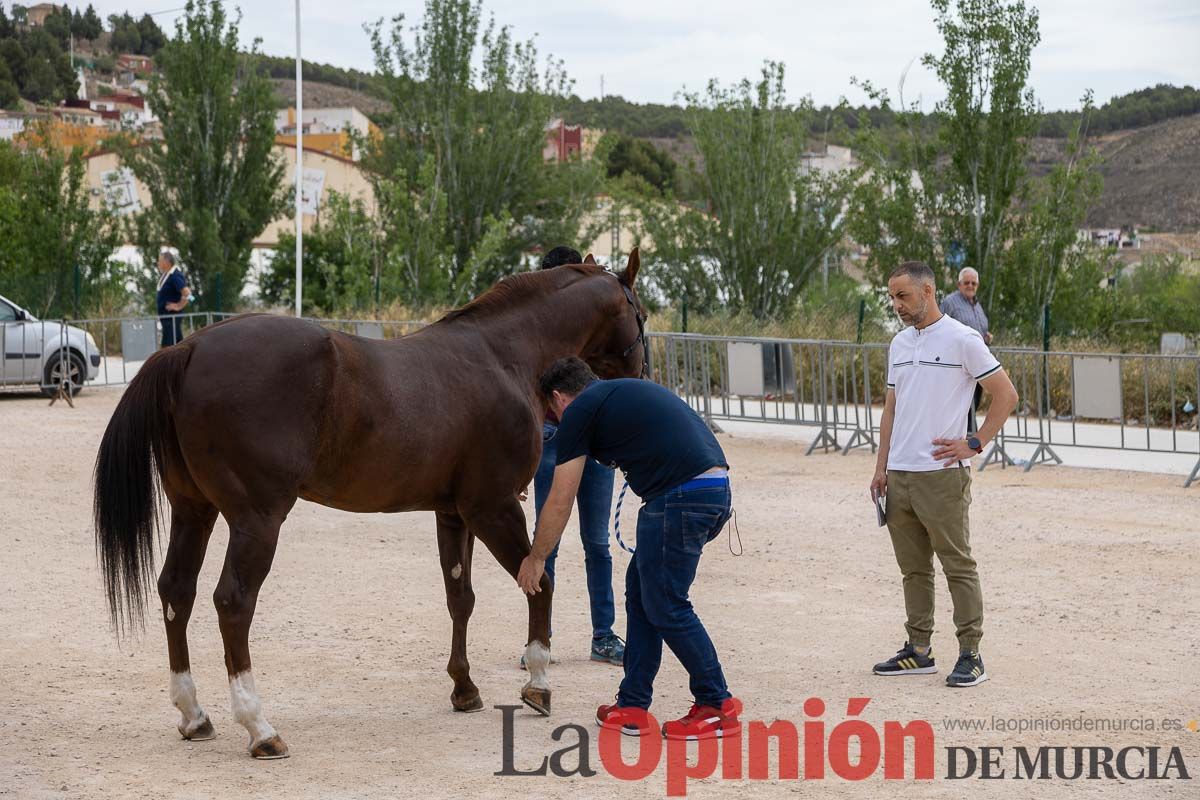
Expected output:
(183, 696)
(456, 573)
(170, 613)
(247, 709)
(537, 659)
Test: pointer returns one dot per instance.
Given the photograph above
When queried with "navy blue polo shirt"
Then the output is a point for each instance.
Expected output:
(170, 290)
(637, 425)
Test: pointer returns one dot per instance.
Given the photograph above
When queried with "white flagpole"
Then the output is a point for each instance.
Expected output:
(299, 165)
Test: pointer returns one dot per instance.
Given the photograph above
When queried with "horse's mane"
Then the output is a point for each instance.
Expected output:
(521, 287)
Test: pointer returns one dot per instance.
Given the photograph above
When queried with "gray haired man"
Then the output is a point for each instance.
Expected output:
(963, 305)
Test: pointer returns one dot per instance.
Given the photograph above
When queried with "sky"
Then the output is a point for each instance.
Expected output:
(649, 50)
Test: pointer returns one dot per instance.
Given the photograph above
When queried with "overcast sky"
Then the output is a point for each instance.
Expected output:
(647, 50)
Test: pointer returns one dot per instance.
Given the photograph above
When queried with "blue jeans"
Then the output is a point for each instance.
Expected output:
(671, 533)
(595, 503)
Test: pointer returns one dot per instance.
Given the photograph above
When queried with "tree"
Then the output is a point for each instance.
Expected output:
(92, 25)
(628, 155)
(984, 123)
(770, 222)
(151, 36)
(343, 259)
(126, 38)
(53, 240)
(213, 179)
(469, 106)
(10, 95)
(7, 31)
(1044, 247)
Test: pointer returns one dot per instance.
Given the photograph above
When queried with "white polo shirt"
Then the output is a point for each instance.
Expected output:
(934, 372)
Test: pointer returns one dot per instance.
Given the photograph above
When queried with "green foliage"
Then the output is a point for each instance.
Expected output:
(769, 221)
(284, 68)
(627, 155)
(963, 193)
(985, 122)
(343, 258)
(469, 105)
(136, 37)
(213, 179)
(34, 64)
(48, 231)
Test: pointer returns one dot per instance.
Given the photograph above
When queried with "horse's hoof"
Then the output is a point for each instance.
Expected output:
(537, 699)
(269, 749)
(201, 733)
(468, 706)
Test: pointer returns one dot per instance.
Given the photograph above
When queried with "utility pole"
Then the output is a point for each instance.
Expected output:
(299, 168)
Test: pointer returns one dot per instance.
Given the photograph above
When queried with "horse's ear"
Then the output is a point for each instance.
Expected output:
(590, 259)
(629, 274)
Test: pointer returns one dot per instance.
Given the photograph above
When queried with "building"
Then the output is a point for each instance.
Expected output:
(828, 160)
(563, 141)
(35, 16)
(130, 62)
(115, 185)
(337, 131)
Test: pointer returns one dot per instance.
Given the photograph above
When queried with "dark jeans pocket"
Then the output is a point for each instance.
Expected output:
(699, 527)
(548, 431)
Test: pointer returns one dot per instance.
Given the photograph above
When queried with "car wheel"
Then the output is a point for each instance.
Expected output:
(76, 374)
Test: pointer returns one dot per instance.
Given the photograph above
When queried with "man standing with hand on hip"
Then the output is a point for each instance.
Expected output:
(923, 467)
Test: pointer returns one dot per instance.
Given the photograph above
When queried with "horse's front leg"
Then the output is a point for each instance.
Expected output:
(502, 528)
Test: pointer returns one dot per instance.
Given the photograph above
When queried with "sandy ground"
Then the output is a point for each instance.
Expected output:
(1090, 580)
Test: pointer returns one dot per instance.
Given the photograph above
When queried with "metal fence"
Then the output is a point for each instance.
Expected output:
(1111, 401)
(109, 352)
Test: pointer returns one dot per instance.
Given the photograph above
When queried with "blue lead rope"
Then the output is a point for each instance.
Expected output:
(617, 519)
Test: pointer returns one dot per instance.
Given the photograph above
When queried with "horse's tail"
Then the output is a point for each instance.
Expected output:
(128, 480)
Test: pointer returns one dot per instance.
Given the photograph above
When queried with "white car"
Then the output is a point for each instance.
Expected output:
(32, 351)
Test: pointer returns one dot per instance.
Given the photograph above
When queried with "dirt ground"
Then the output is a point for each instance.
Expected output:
(1090, 582)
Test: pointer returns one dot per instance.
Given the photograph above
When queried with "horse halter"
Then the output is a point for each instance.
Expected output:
(641, 337)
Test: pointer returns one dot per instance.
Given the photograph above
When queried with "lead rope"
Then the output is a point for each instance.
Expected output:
(733, 531)
(617, 519)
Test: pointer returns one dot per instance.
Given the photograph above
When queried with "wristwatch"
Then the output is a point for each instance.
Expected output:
(974, 443)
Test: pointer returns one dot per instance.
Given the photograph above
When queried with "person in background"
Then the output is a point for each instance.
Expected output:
(172, 298)
(595, 505)
(963, 305)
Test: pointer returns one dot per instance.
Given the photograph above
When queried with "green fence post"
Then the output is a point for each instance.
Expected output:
(218, 292)
(78, 286)
(862, 312)
(685, 315)
(1045, 358)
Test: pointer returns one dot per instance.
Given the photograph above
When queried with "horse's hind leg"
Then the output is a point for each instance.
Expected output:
(252, 540)
(455, 544)
(191, 524)
(502, 529)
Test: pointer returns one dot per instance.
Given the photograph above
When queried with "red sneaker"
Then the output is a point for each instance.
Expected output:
(706, 722)
(628, 720)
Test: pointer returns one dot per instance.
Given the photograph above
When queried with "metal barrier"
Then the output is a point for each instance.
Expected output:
(1111, 401)
(109, 352)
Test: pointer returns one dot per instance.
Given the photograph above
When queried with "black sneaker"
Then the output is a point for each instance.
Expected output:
(907, 661)
(968, 671)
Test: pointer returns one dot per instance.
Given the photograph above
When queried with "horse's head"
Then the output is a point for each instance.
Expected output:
(619, 349)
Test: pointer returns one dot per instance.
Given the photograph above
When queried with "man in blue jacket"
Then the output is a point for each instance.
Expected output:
(674, 463)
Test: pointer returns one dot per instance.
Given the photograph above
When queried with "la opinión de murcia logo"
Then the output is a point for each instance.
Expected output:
(819, 753)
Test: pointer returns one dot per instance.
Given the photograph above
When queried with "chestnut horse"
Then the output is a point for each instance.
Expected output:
(246, 416)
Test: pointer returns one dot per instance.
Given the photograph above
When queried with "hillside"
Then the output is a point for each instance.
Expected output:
(326, 95)
(1151, 175)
